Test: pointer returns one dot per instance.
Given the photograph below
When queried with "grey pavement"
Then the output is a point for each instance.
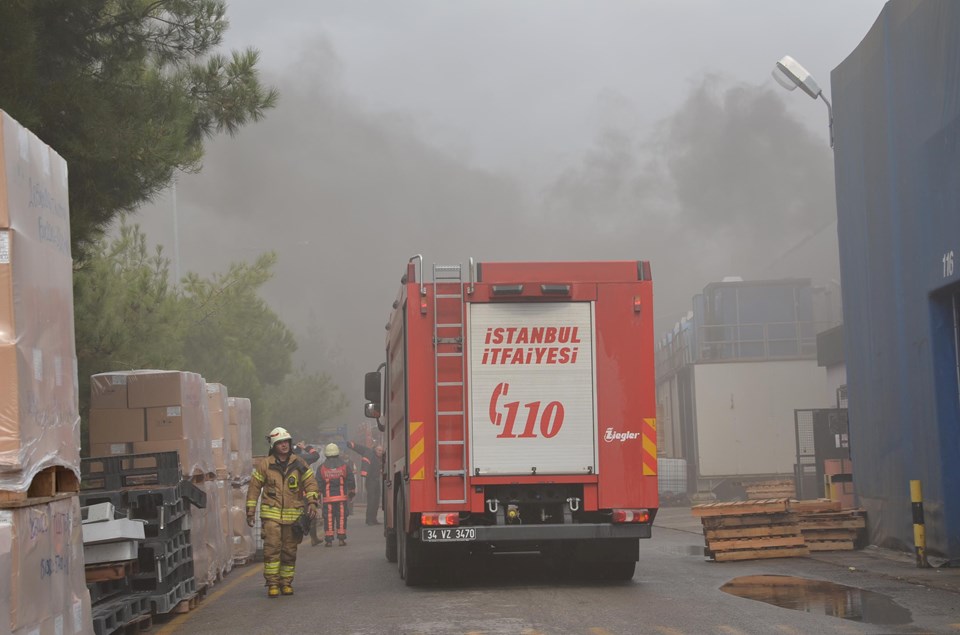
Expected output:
(885, 563)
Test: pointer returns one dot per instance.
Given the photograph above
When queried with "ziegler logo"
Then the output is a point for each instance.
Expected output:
(612, 435)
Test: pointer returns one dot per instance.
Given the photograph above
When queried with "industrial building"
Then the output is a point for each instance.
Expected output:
(731, 375)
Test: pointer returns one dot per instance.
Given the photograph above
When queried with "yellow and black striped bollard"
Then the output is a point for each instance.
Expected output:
(919, 533)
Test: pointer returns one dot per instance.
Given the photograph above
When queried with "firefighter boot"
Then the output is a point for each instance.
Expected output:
(273, 591)
(286, 589)
(343, 542)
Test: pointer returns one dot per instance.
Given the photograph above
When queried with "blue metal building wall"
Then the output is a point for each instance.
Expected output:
(897, 126)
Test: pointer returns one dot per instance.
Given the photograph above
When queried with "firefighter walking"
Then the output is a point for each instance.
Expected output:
(337, 486)
(288, 489)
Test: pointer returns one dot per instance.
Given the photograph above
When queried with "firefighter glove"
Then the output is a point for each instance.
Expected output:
(312, 510)
(250, 519)
(351, 494)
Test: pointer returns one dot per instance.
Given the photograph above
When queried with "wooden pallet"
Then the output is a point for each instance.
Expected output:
(758, 554)
(832, 531)
(772, 488)
(818, 505)
(749, 530)
(47, 485)
(187, 604)
(109, 571)
(140, 624)
(740, 508)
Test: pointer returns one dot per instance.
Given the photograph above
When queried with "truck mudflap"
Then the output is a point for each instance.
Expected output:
(507, 533)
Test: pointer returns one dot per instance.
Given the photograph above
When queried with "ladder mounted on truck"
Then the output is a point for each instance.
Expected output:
(449, 337)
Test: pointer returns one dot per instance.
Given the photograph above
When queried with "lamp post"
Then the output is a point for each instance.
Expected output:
(790, 74)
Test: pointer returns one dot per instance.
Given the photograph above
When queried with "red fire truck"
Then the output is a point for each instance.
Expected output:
(518, 409)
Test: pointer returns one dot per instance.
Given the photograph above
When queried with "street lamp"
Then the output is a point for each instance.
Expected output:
(790, 74)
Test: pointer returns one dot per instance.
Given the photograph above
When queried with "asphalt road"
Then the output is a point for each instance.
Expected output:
(354, 590)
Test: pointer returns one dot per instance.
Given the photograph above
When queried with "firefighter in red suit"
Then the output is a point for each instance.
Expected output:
(337, 487)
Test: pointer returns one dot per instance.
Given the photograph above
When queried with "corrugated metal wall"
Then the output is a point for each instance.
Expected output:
(897, 125)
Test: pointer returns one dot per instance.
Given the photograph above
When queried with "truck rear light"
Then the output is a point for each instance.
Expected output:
(439, 519)
(631, 515)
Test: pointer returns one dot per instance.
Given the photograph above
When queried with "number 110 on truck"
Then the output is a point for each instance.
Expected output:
(517, 402)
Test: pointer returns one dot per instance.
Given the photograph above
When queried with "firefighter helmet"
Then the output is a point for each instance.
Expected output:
(277, 435)
(332, 449)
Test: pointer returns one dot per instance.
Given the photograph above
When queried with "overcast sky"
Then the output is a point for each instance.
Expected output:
(520, 130)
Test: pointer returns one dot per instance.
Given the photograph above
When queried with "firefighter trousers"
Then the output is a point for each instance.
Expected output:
(334, 521)
(279, 553)
(373, 499)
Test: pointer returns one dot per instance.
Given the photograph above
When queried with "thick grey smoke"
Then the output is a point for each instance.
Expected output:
(727, 185)
(731, 184)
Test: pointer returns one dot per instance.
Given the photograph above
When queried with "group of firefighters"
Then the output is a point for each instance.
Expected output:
(290, 495)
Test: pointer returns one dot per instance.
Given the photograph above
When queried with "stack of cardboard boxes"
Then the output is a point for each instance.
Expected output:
(240, 467)
(41, 548)
(145, 411)
(212, 549)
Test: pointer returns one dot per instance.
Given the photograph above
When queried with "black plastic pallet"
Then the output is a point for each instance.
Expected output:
(107, 589)
(160, 560)
(162, 603)
(110, 617)
(112, 473)
(162, 508)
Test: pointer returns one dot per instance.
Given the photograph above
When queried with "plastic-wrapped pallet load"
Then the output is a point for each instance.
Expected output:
(39, 417)
(218, 408)
(224, 542)
(241, 443)
(177, 419)
(243, 547)
(41, 564)
(209, 540)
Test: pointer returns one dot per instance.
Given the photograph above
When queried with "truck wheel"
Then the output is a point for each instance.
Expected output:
(614, 571)
(390, 541)
(620, 571)
(411, 570)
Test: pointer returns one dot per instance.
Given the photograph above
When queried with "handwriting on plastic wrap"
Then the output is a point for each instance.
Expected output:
(52, 231)
(57, 525)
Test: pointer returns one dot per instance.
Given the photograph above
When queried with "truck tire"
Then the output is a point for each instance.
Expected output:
(390, 540)
(619, 571)
(412, 571)
(613, 571)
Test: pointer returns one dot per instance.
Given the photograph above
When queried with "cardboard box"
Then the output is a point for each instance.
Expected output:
(108, 390)
(41, 559)
(217, 406)
(39, 419)
(110, 449)
(166, 424)
(153, 388)
(238, 438)
(114, 425)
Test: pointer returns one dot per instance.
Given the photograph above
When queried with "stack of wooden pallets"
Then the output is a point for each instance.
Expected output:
(826, 528)
(772, 488)
(748, 530)
(777, 528)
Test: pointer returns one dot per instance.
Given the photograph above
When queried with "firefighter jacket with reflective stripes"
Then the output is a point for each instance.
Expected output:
(336, 480)
(286, 488)
(369, 463)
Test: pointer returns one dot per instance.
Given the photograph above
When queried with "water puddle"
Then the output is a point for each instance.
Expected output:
(816, 596)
